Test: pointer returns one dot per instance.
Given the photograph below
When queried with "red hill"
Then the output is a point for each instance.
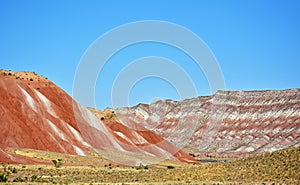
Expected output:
(36, 114)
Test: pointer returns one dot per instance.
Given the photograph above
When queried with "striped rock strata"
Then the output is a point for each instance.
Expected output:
(226, 124)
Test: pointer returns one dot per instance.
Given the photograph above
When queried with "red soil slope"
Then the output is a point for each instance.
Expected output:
(36, 114)
(134, 137)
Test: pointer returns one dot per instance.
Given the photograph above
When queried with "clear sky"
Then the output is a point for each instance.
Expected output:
(256, 43)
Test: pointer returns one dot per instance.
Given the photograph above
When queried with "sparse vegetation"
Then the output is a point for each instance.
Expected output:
(3, 177)
(18, 179)
(28, 76)
(57, 163)
(14, 170)
(34, 177)
(280, 167)
(54, 162)
(106, 114)
(170, 167)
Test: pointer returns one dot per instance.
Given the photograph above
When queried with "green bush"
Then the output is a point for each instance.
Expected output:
(34, 177)
(3, 178)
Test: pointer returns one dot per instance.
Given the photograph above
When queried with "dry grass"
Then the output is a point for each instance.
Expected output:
(93, 159)
(281, 167)
(24, 76)
(107, 114)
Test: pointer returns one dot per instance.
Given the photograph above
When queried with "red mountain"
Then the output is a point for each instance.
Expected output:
(36, 114)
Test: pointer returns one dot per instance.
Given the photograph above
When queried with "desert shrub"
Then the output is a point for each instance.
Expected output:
(109, 115)
(34, 177)
(170, 167)
(14, 170)
(54, 162)
(18, 179)
(57, 163)
(3, 178)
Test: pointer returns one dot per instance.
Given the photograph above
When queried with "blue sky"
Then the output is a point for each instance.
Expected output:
(256, 43)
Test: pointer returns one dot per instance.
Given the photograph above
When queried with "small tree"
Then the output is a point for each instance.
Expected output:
(54, 162)
(57, 163)
(34, 177)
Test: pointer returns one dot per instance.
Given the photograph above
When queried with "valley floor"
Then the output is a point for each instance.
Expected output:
(280, 167)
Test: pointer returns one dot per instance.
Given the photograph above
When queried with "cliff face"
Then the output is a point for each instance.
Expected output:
(36, 114)
(226, 124)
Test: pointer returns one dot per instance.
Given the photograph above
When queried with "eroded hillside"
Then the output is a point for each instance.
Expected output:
(36, 114)
(226, 124)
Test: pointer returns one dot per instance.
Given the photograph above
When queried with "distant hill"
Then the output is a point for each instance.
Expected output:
(226, 124)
